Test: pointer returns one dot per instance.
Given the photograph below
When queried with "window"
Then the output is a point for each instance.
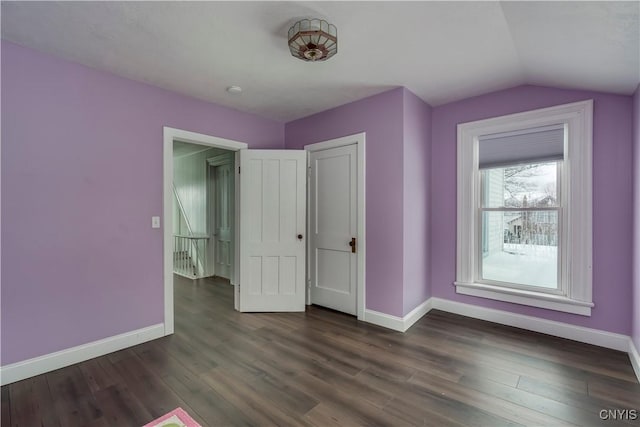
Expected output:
(524, 208)
(519, 215)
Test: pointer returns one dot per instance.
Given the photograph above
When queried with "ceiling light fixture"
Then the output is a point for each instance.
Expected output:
(234, 90)
(313, 40)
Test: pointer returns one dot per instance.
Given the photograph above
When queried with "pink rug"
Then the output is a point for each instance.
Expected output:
(176, 418)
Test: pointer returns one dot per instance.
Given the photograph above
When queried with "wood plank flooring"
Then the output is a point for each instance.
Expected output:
(323, 368)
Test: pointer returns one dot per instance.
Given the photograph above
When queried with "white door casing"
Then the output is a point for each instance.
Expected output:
(221, 215)
(333, 225)
(169, 136)
(222, 220)
(273, 220)
(335, 222)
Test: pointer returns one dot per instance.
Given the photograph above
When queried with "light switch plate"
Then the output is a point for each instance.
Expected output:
(155, 222)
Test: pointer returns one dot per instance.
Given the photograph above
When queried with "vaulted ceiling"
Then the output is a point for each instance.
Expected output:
(442, 51)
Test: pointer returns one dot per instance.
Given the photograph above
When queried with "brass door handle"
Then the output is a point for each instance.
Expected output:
(352, 243)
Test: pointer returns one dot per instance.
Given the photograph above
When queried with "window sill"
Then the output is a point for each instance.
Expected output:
(530, 298)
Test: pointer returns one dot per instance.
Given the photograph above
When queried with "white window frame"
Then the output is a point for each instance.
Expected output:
(575, 235)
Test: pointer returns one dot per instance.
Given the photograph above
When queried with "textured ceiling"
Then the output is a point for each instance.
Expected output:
(442, 51)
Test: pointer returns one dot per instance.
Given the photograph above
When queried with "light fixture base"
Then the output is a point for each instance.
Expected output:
(313, 40)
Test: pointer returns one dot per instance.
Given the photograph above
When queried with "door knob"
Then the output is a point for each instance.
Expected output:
(352, 243)
(299, 236)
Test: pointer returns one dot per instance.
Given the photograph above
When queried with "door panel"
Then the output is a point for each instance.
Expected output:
(331, 266)
(272, 214)
(333, 207)
(333, 216)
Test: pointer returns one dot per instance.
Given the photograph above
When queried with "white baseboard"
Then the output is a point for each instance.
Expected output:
(39, 365)
(396, 323)
(635, 358)
(416, 314)
(385, 320)
(50, 362)
(564, 330)
(186, 276)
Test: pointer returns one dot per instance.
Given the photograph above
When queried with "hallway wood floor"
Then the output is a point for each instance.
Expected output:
(324, 368)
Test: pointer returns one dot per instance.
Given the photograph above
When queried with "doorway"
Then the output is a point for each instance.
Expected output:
(203, 212)
(270, 219)
(171, 135)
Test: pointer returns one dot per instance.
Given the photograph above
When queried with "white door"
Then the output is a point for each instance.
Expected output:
(223, 215)
(272, 226)
(333, 224)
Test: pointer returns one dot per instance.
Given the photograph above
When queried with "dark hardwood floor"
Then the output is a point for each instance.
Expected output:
(324, 368)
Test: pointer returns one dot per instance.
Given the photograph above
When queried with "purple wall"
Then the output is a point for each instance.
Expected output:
(82, 175)
(635, 327)
(398, 127)
(380, 116)
(416, 209)
(81, 178)
(612, 195)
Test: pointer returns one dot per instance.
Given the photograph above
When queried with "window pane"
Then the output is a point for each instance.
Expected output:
(518, 186)
(520, 247)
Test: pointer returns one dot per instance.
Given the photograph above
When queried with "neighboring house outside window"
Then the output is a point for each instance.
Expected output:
(524, 208)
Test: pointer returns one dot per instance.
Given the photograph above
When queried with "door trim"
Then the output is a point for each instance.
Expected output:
(169, 136)
(220, 160)
(213, 162)
(359, 140)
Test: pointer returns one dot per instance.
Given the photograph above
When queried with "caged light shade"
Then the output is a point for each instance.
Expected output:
(313, 40)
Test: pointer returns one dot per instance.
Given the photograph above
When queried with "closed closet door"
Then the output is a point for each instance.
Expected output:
(333, 224)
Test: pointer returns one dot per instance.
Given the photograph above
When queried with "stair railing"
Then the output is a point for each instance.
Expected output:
(189, 250)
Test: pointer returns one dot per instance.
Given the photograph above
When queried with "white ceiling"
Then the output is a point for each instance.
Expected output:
(442, 51)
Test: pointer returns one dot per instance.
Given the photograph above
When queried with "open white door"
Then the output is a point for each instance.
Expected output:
(273, 223)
